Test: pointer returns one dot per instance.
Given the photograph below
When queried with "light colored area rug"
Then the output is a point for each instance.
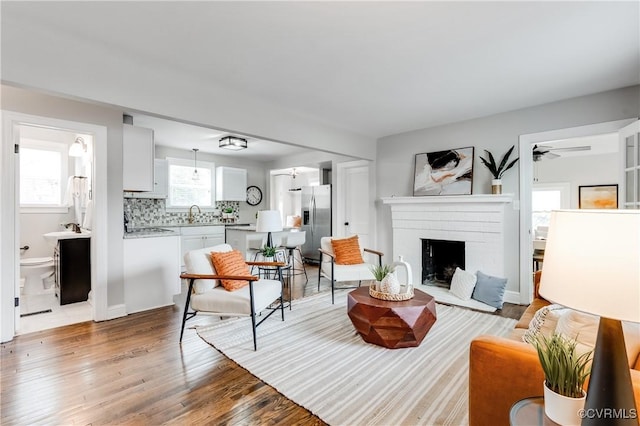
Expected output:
(316, 358)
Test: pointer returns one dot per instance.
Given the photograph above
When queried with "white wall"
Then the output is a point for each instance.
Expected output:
(578, 171)
(395, 163)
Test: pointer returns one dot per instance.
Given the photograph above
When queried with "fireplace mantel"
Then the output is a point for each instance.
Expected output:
(450, 199)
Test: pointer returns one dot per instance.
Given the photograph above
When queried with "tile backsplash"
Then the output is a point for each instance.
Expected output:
(152, 211)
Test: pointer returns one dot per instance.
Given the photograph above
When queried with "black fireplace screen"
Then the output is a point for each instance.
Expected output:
(440, 259)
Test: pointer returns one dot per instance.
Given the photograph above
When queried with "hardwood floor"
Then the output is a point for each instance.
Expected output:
(132, 370)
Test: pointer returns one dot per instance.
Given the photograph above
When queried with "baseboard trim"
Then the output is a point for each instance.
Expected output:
(512, 297)
(116, 311)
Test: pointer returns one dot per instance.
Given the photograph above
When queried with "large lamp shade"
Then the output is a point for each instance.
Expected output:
(592, 262)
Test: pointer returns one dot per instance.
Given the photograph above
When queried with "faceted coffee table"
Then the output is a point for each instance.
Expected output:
(391, 324)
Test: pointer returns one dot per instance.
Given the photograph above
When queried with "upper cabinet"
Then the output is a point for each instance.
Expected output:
(160, 182)
(231, 184)
(137, 158)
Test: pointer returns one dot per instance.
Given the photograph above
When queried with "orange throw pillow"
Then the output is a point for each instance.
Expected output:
(230, 263)
(347, 251)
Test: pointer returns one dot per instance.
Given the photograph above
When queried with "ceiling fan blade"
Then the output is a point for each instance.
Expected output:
(572, 148)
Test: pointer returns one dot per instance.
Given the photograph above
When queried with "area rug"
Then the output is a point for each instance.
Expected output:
(316, 359)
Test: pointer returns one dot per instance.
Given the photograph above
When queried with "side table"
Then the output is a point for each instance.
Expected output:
(529, 412)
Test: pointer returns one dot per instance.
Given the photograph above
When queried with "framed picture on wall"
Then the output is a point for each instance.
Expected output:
(598, 197)
(447, 172)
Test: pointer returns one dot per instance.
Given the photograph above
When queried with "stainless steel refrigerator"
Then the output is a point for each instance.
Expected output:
(316, 219)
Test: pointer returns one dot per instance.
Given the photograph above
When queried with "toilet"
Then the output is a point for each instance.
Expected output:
(37, 273)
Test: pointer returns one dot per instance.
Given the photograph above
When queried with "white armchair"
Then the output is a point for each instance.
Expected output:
(206, 295)
(341, 273)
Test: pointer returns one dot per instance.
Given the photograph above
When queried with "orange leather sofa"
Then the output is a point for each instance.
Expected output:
(504, 370)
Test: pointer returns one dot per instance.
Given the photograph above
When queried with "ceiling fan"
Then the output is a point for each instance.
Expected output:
(293, 173)
(542, 152)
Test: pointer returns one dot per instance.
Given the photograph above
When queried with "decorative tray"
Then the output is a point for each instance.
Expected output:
(405, 294)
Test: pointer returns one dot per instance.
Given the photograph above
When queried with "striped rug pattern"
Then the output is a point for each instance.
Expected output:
(316, 359)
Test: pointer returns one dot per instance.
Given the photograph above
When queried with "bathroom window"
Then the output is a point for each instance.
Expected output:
(43, 176)
(184, 190)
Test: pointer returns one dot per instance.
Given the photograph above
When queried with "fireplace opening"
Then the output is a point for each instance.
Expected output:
(440, 258)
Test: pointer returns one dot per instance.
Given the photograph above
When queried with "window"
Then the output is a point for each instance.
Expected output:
(43, 176)
(184, 191)
(547, 197)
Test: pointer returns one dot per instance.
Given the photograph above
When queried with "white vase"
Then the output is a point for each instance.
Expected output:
(390, 284)
(496, 186)
(562, 409)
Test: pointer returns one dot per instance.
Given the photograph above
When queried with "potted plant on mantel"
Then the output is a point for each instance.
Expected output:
(564, 375)
(498, 170)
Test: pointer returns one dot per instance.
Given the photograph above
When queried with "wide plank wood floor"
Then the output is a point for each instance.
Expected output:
(132, 370)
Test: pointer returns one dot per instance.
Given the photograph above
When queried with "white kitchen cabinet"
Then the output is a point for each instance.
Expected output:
(160, 182)
(198, 237)
(231, 184)
(137, 158)
(151, 272)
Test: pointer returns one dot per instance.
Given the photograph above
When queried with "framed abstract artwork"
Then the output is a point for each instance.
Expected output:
(447, 172)
(598, 197)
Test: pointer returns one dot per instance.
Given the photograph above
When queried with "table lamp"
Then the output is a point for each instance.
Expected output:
(592, 264)
(269, 221)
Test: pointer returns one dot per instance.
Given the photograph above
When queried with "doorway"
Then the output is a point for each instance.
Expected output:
(15, 124)
(526, 145)
(354, 207)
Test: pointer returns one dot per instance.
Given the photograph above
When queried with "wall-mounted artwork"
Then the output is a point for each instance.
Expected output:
(598, 197)
(444, 172)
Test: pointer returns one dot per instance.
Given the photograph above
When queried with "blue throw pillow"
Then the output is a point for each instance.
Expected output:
(489, 290)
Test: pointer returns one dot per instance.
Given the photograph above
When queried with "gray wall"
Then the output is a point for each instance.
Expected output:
(395, 160)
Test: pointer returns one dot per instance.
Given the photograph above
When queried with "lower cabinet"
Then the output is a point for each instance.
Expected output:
(198, 237)
(151, 272)
(72, 265)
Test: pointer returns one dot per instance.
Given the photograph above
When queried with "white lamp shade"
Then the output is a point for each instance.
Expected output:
(269, 221)
(592, 262)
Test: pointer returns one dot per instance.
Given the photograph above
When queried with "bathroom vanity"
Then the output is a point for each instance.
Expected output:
(72, 263)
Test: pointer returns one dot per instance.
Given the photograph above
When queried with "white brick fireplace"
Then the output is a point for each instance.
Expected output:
(477, 220)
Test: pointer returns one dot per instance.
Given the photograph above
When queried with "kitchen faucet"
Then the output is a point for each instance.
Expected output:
(191, 212)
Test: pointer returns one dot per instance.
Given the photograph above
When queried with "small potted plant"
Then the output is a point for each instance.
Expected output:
(227, 213)
(498, 170)
(268, 252)
(386, 281)
(564, 375)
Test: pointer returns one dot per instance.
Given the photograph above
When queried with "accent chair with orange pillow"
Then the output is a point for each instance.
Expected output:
(341, 259)
(220, 284)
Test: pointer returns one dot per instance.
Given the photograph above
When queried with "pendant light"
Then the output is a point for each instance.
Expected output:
(195, 175)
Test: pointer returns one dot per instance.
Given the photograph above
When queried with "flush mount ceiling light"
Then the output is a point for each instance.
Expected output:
(78, 148)
(195, 175)
(233, 143)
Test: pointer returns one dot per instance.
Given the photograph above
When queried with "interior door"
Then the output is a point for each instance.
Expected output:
(630, 148)
(356, 213)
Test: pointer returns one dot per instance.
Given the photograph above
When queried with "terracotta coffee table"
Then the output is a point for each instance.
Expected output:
(391, 324)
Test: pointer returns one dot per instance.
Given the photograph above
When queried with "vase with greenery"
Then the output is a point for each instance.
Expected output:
(386, 281)
(565, 373)
(497, 170)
